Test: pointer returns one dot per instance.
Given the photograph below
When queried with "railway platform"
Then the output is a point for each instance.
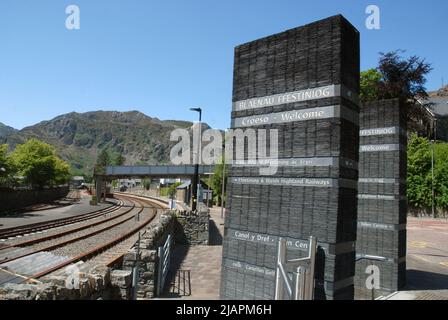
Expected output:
(77, 208)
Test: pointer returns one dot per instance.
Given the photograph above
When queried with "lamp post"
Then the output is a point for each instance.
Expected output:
(223, 180)
(432, 167)
(432, 179)
(196, 165)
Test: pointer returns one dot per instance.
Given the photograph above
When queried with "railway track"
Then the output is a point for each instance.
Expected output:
(54, 233)
(42, 226)
(106, 244)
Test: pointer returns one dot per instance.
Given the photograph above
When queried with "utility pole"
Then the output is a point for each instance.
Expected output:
(196, 165)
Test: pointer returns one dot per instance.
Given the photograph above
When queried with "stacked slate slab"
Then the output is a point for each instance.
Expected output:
(382, 205)
(304, 82)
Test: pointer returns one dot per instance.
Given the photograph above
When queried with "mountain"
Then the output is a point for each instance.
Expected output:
(5, 130)
(79, 137)
(442, 92)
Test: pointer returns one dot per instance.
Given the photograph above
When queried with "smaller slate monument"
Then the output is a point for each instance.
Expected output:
(382, 205)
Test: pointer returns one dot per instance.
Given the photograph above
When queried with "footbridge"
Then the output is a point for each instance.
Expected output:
(148, 171)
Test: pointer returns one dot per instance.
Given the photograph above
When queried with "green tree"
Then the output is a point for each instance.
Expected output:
(441, 176)
(420, 180)
(216, 181)
(172, 190)
(37, 162)
(7, 168)
(399, 77)
(419, 192)
(62, 172)
(119, 160)
(3, 160)
(102, 161)
(146, 184)
(370, 83)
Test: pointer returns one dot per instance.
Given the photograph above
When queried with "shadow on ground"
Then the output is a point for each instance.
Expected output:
(424, 280)
(18, 215)
(215, 236)
(177, 283)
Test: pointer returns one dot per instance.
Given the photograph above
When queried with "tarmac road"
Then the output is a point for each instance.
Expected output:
(427, 254)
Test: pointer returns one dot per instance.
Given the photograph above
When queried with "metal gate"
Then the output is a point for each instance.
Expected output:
(164, 255)
(302, 285)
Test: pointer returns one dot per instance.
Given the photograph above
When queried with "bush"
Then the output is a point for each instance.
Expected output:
(94, 201)
(419, 179)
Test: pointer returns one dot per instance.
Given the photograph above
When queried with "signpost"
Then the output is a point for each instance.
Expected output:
(303, 82)
(382, 206)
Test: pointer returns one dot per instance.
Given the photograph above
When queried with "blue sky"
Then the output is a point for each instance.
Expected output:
(163, 57)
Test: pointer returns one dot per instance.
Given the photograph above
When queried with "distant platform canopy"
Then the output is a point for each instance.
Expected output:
(157, 171)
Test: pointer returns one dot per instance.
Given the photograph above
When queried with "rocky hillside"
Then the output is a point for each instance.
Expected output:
(442, 92)
(5, 130)
(79, 137)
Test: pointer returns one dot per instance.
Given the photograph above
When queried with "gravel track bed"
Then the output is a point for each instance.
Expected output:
(80, 233)
(81, 246)
(54, 231)
(117, 250)
(114, 252)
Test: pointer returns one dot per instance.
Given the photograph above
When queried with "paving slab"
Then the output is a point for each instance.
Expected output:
(201, 263)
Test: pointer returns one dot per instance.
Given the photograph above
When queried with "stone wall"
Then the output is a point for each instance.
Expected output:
(103, 283)
(185, 228)
(98, 283)
(147, 260)
(16, 199)
(193, 228)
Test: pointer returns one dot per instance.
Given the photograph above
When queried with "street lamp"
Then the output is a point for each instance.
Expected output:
(196, 165)
(432, 167)
(432, 179)
(223, 185)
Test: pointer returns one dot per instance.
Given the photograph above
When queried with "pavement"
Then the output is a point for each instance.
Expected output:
(427, 260)
(28, 217)
(196, 270)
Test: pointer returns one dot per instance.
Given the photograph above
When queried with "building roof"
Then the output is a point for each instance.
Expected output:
(184, 185)
(438, 105)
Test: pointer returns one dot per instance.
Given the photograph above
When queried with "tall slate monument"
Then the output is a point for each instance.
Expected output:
(382, 205)
(304, 82)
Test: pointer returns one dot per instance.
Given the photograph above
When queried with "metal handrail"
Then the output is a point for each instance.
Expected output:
(164, 254)
(302, 287)
(370, 257)
(285, 279)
